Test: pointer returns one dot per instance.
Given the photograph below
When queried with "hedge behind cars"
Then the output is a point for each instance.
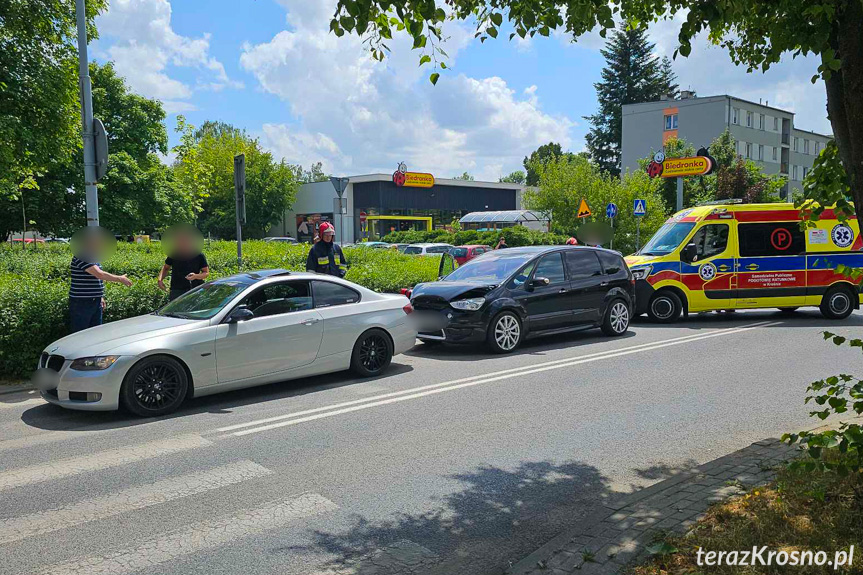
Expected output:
(34, 285)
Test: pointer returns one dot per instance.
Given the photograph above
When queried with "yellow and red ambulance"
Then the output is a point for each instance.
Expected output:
(747, 256)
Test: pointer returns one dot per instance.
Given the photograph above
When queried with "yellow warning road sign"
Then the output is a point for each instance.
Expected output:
(583, 209)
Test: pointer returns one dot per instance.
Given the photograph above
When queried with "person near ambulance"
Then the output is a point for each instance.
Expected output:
(326, 256)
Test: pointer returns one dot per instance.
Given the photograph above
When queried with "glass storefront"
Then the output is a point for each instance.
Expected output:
(308, 224)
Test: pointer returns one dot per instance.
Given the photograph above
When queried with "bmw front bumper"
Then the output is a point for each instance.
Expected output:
(75, 389)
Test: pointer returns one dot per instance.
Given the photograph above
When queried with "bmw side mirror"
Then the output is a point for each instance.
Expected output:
(240, 314)
(688, 253)
(539, 282)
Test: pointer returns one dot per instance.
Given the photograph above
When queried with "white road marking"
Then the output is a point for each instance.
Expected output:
(395, 397)
(17, 528)
(466, 379)
(36, 439)
(99, 460)
(195, 538)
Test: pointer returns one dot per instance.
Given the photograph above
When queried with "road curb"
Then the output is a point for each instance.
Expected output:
(10, 389)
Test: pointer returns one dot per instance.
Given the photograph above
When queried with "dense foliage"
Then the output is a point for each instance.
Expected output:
(565, 181)
(515, 236)
(34, 285)
(632, 74)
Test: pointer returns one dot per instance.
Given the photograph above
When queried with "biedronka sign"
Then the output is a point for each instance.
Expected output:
(679, 167)
(403, 178)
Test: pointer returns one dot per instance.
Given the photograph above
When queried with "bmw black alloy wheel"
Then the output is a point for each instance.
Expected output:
(373, 352)
(157, 385)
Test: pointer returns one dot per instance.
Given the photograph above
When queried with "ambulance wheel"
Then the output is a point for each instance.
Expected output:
(788, 309)
(837, 303)
(665, 307)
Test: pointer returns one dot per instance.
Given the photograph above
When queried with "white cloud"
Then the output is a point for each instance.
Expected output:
(360, 116)
(137, 35)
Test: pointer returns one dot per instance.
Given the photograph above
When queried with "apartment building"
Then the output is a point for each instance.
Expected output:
(764, 134)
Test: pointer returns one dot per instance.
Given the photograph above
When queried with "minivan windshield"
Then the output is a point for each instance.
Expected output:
(204, 301)
(489, 270)
(666, 239)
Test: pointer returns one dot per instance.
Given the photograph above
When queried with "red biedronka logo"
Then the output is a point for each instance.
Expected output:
(403, 178)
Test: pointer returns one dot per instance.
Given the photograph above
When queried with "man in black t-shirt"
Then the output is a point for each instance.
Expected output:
(186, 264)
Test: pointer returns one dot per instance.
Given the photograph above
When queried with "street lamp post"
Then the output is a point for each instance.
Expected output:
(87, 118)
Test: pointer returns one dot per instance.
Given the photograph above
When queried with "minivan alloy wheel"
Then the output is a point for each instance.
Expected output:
(507, 332)
(619, 317)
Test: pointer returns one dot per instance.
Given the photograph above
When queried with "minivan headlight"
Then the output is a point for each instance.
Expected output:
(96, 363)
(471, 304)
(641, 273)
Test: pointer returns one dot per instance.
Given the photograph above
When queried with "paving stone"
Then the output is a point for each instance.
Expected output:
(560, 559)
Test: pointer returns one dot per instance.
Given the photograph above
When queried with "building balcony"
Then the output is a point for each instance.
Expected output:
(783, 169)
(786, 139)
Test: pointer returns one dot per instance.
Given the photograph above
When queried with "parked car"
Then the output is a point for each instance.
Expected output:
(399, 247)
(27, 241)
(509, 295)
(56, 240)
(426, 249)
(282, 239)
(463, 254)
(240, 331)
(373, 245)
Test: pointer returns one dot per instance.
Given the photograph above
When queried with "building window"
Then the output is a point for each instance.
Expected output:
(796, 145)
(775, 153)
(794, 172)
(760, 121)
(741, 148)
(671, 122)
(735, 115)
(748, 150)
(805, 171)
(775, 124)
(805, 146)
(760, 153)
(817, 146)
(748, 119)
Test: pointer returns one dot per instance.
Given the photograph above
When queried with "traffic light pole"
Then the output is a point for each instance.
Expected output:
(87, 118)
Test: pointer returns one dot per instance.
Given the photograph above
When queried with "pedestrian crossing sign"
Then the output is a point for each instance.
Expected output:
(583, 209)
(639, 207)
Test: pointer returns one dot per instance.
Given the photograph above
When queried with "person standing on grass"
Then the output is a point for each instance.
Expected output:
(87, 290)
(326, 256)
(185, 262)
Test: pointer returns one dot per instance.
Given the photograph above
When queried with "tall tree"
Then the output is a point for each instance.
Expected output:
(516, 177)
(205, 166)
(465, 176)
(632, 73)
(757, 33)
(540, 156)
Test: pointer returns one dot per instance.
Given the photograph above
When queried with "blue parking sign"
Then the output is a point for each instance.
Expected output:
(611, 210)
(639, 207)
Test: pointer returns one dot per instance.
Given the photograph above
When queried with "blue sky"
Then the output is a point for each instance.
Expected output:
(272, 68)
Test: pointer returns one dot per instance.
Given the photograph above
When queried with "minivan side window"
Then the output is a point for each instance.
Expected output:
(771, 239)
(328, 294)
(551, 267)
(520, 278)
(611, 263)
(710, 240)
(582, 264)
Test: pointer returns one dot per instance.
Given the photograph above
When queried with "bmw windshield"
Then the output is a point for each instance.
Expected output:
(204, 301)
(489, 270)
(666, 239)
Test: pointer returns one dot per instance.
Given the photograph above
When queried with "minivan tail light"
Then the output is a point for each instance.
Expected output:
(405, 292)
(408, 309)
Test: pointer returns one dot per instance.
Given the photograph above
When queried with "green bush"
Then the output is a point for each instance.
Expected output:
(34, 285)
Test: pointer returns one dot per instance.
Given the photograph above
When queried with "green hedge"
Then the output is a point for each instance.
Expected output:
(515, 236)
(34, 286)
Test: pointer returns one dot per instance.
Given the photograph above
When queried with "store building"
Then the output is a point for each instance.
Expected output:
(376, 204)
(765, 134)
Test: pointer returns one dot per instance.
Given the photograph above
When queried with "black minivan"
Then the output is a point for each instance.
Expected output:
(508, 295)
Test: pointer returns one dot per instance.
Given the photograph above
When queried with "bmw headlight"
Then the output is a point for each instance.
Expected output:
(641, 273)
(471, 304)
(96, 363)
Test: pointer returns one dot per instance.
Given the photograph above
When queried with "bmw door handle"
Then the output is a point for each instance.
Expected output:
(312, 321)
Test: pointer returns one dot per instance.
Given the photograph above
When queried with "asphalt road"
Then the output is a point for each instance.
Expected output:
(455, 462)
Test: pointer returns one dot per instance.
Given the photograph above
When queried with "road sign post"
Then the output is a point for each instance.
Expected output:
(92, 193)
(639, 210)
(240, 194)
(340, 184)
(679, 193)
(611, 212)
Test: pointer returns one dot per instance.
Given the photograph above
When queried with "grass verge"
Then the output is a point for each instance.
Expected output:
(799, 511)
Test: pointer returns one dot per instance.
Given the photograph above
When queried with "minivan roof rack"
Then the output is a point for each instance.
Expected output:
(720, 202)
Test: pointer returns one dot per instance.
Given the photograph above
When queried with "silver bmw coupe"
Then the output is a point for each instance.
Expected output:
(240, 331)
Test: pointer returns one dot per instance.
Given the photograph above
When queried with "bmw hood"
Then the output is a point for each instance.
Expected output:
(103, 338)
(449, 291)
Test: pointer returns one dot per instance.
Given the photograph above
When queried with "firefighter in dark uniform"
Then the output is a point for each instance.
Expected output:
(326, 256)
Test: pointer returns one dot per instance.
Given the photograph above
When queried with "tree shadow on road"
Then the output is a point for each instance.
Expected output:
(498, 517)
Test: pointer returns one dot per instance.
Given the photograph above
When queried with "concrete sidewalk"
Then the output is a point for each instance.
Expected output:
(619, 532)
